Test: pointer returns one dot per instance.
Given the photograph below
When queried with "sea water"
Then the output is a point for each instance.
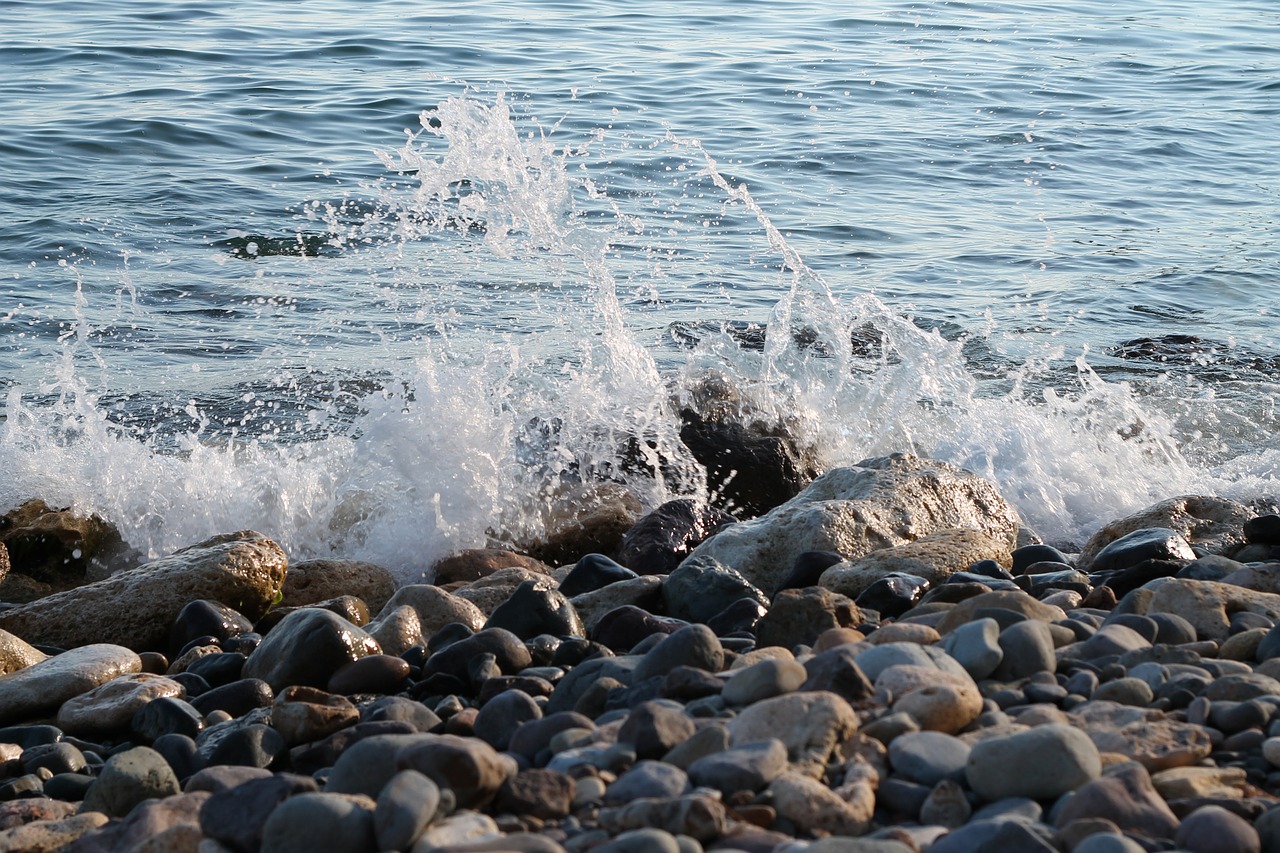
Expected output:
(391, 279)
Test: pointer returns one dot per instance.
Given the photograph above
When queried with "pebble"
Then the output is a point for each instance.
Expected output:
(762, 680)
(405, 806)
(976, 647)
(319, 821)
(929, 757)
(470, 768)
(693, 645)
(593, 572)
(809, 724)
(1027, 649)
(127, 779)
(502, 715)
(653, 728)
(537, 607)
(1041, 763)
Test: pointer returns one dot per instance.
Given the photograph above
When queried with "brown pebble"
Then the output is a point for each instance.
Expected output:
(462, 723)
(154, 663)
(756, 814)
(1101, 597)
(370, 674)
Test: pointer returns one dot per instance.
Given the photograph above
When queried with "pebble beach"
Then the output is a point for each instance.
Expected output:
(887, 661)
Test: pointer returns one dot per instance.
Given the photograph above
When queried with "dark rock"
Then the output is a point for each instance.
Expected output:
(219, 669)
(319, 821)
(1146, 626)
(127, 779)
(990, 569)
(192, 683)
(68, 787)
(808, 567)
(799, 616)
(1213, 829)
(692, 645)
(592, 572)
(509, 653)
(544, 794)
(1126, 797)
(1126, 580)
(531, 737)
(1263, 530)
(659, 541)
(570, 689)
(237, 815)
(751, 468)
(30, 736)
(1150, 543)
(647, 779)
(684, 683)
(1011, 836)
(305, 714)
(699, 589)
(402, 709)
(836, 670)
(470, 768)
(237, 698)
(741, 617)
(371, 674)
(623, 627)
(536, 607)
(447, 636)
(476, 563)
(253, 745)
(1068, 579)
(165, 716)
(654, 728)
(60, 548)
(181, 753)
(308, 647)
(367, 764)
(56, 758)
(1210, 567)
(203, 618)
(1173, 630)
(893, 594)
(502, 715)
(1029, 554)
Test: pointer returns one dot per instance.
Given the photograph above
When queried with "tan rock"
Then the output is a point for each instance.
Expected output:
(44, 686)
(697, 815)
(833, 637)
(15, 654)
(853, 511)
(641, 592)
(590, 519)
(811, 805)
(1208, 605)
(397, 631)
(1144, 735)
(1015, 600)
(313, 581)
(4, 561)
(476, 563)
(109, 707)
(812, 724)
(934, 557)
(190, 656)
(488, 592)
(50, 836)
(938, 700)
(1181, 783)
(1213, 524)
(435, 609)
(904, 632)
(1242, 646)
(62, 547)
(135, 608)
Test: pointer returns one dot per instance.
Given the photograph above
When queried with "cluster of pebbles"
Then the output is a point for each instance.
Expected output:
(889, 662)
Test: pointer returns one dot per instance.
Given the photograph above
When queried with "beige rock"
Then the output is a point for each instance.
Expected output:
(904, 632)
(1181, 783)
(135, 608)
(190, 656)
(1018, 601)
(934, 557)
(476, 563)
(313, 581)
(833, 637)
(754, 656)
(488, 592)
(397, 631)
(457, 830)
(812, 724)
(16, 654)
(435, 608)
(44, 686)
(853, 511)
(109, 707)
(1213, 524)
(639, 591)
(811, 805)
(1144, 735)
(586, 519)
(4, 562)
(1242, 646)
(699, 816)
(1208, 605)
(938, 700)
(50, 836)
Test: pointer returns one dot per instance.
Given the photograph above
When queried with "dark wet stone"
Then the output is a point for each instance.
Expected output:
(837, 671)
(181, 753)
(1003, 616)
(697, 590)
(326, 753)
(237, 815)
(1068, 579)
(1263, 530)
(237, 698)
(654, 728)
(623, 627)
(989, 570)
(400, 708)
(27, 785)
(684, 683)
(202, 618)
(544, 794)
(901, 797)
(893, 594)
(220, 669)
(1126, 580)
(59, 757)
(68, 787)
(447, 636)
(1028, 555)
(242, 643)
(799, 616)
(165, 716)
(743, 616)
(536, 607)
(502, 715)
(370, 674)
(659, 541)
(509, 654)
(1150, 543)
(306, 648)
(542, 649)
(750, 468)
(529, 684)
(192, 683)
(254, 745)
(692, 645)
(1210, 567)
(808, 567)
(1246, 620)
(592, 572)
(29, 736)
(570, 689)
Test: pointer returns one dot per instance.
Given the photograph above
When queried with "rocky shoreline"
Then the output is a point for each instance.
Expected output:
(886, 662)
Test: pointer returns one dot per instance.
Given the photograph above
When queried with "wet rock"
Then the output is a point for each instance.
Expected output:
(659, 541)
(237, 698)
(127, 779)
(236, 814)
(203, 618)
(305, 714)
(312, 581)
(475, 563)
(1125, 797)
(878, 504)
(44, 686)
(934, 557)
(1028, 555)
(810, 724)
(1263, 530)
(434, 608)
(1210, 523)
(60, 547)
(330, 642)
(510, 654)
(109, 708)
(743, 616)
(490, 591)
(644, 593)
(16, 654)
(593, 572)
(798, 616)
(135, 608)
(472, 769)
(700, 588)
(382, 673)
(319, 821)
(165, 716)
(534, 608)
(622, 628)
(893, 594)
(1150, 543)
(244, 743)
(502, 715)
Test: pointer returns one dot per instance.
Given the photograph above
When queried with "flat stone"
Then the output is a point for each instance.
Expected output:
(109, 708)
(44, 686)
(934, 557)
(135, 608)
(929, 757)
(1184, 783)
(880, 503)
(307, 648)
(1042, 764)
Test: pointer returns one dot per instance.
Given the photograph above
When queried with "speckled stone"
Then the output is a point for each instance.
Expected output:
(109, 708)
(43, 687)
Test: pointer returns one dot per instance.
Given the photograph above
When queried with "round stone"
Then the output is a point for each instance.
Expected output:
(929, 757)
(1042, 763)
(319, 821)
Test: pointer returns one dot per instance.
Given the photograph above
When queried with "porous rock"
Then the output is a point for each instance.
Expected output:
(44, 686)
(134, 608)
(853, 511)
(811, 724)
(16, 653)
(473, 564)
(934, 557)
(798, 616)
(1213, 524)
(312, 581)
(1208, 605)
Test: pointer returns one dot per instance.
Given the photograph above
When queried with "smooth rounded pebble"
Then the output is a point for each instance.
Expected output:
(1042, 763)
(319, 821)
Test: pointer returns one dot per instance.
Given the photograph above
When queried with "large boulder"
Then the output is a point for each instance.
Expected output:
(1207, 605)
(313, 581)
(135, 608)
(1214, 525)
(878, 503)
(934, 557)
(60, 547)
